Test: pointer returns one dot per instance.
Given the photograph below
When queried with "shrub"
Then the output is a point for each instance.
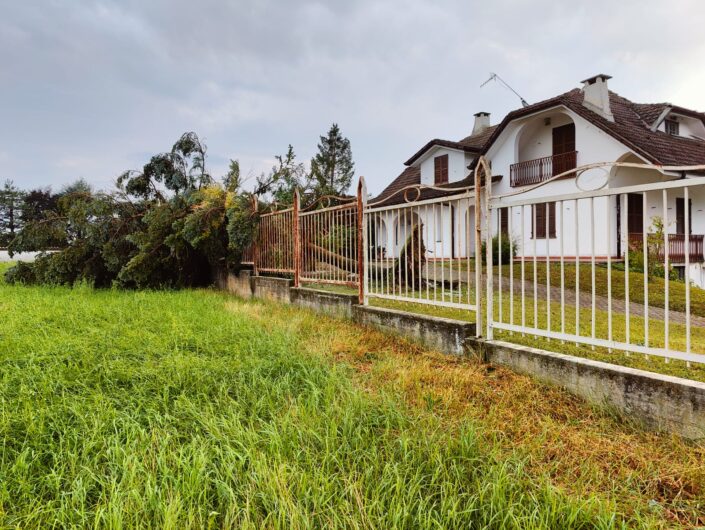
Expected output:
(22, 273)
(508, 245)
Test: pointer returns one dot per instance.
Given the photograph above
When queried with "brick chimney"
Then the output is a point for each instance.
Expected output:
(596, 96)
(482, 121)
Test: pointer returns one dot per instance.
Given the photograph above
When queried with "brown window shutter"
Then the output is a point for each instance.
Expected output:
(539, 229)
(504, 220)
(440, 169)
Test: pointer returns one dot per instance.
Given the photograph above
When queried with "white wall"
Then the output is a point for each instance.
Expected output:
(457, 166)
(24, 256)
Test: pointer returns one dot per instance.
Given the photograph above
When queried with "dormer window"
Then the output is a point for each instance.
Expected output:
(440, 170)
(672, 127)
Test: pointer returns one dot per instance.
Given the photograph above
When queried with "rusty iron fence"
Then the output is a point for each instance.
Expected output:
(321, 243)
(328, 238)
(274, 248)
(556, 266)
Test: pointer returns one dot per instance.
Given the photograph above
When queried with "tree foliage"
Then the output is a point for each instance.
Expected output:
(332, 168)
(289, 175)
(169, 225)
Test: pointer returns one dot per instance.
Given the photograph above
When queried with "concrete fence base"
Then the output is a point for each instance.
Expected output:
(657, 401)
(441, 334)
(660, 402)
(332, 304)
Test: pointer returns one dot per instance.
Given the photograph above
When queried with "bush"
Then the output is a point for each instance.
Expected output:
(22, 273)
(508, 246)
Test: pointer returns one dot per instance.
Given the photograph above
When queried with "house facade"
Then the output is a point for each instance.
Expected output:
(531, 145)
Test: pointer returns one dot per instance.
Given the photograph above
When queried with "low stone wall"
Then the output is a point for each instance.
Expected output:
(332, 304)
(276, 289)
(660, 402)
(441, 334)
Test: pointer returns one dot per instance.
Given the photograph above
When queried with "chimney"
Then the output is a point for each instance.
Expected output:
(596, 96)
(482, 121)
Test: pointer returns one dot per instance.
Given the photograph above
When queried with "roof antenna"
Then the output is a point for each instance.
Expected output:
(495, 77)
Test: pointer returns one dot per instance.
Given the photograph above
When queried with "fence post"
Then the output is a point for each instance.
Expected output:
(489, 250)
(255, 239)
(478, 250)
(361, 242)
(297, 240)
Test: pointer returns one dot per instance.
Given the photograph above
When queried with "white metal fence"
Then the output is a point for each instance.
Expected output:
(423, 251)
(574, 259)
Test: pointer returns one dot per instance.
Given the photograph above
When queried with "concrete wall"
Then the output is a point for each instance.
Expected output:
(275, 289)
(660, 402)
(441, 334)
(332, 304)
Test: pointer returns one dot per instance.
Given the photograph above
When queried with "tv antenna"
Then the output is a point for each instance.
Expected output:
(495, 77)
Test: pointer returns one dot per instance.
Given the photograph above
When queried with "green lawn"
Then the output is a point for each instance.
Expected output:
(192, 409)
(656, 292)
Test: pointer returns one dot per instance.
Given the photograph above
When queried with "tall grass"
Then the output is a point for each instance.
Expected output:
(164, 409)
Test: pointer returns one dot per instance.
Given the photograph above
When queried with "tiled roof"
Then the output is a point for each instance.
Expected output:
(470, 144)
(631, 126)
(412, 175)
(649, 112)
(478, 141)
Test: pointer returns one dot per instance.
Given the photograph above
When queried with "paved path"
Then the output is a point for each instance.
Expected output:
(585, 298)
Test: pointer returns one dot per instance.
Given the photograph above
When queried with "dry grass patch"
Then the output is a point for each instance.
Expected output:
(583, 450)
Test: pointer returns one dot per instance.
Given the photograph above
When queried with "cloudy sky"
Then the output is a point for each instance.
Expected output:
(89, 88)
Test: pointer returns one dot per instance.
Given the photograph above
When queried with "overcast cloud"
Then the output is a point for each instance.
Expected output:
(90, 88)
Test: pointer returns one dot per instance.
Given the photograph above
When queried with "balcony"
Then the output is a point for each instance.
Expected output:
(676, 246)
(540, 169)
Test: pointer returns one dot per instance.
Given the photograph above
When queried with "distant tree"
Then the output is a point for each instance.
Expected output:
(288, 176)
(77, 187)
(11, 198)
(332, 168)
(36, 203)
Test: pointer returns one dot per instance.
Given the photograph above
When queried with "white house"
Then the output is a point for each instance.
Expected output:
(439, 169)
(531, 144)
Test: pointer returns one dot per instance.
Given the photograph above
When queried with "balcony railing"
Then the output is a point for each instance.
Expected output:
(676, 246)
(540, 169)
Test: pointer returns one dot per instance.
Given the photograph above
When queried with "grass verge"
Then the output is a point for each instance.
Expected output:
(192, 409)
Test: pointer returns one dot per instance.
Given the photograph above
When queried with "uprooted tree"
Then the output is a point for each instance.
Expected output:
(409, 266)
(169, 225)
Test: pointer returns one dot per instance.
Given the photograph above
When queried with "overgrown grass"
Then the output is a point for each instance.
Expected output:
(189, 409)
(677, 332)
